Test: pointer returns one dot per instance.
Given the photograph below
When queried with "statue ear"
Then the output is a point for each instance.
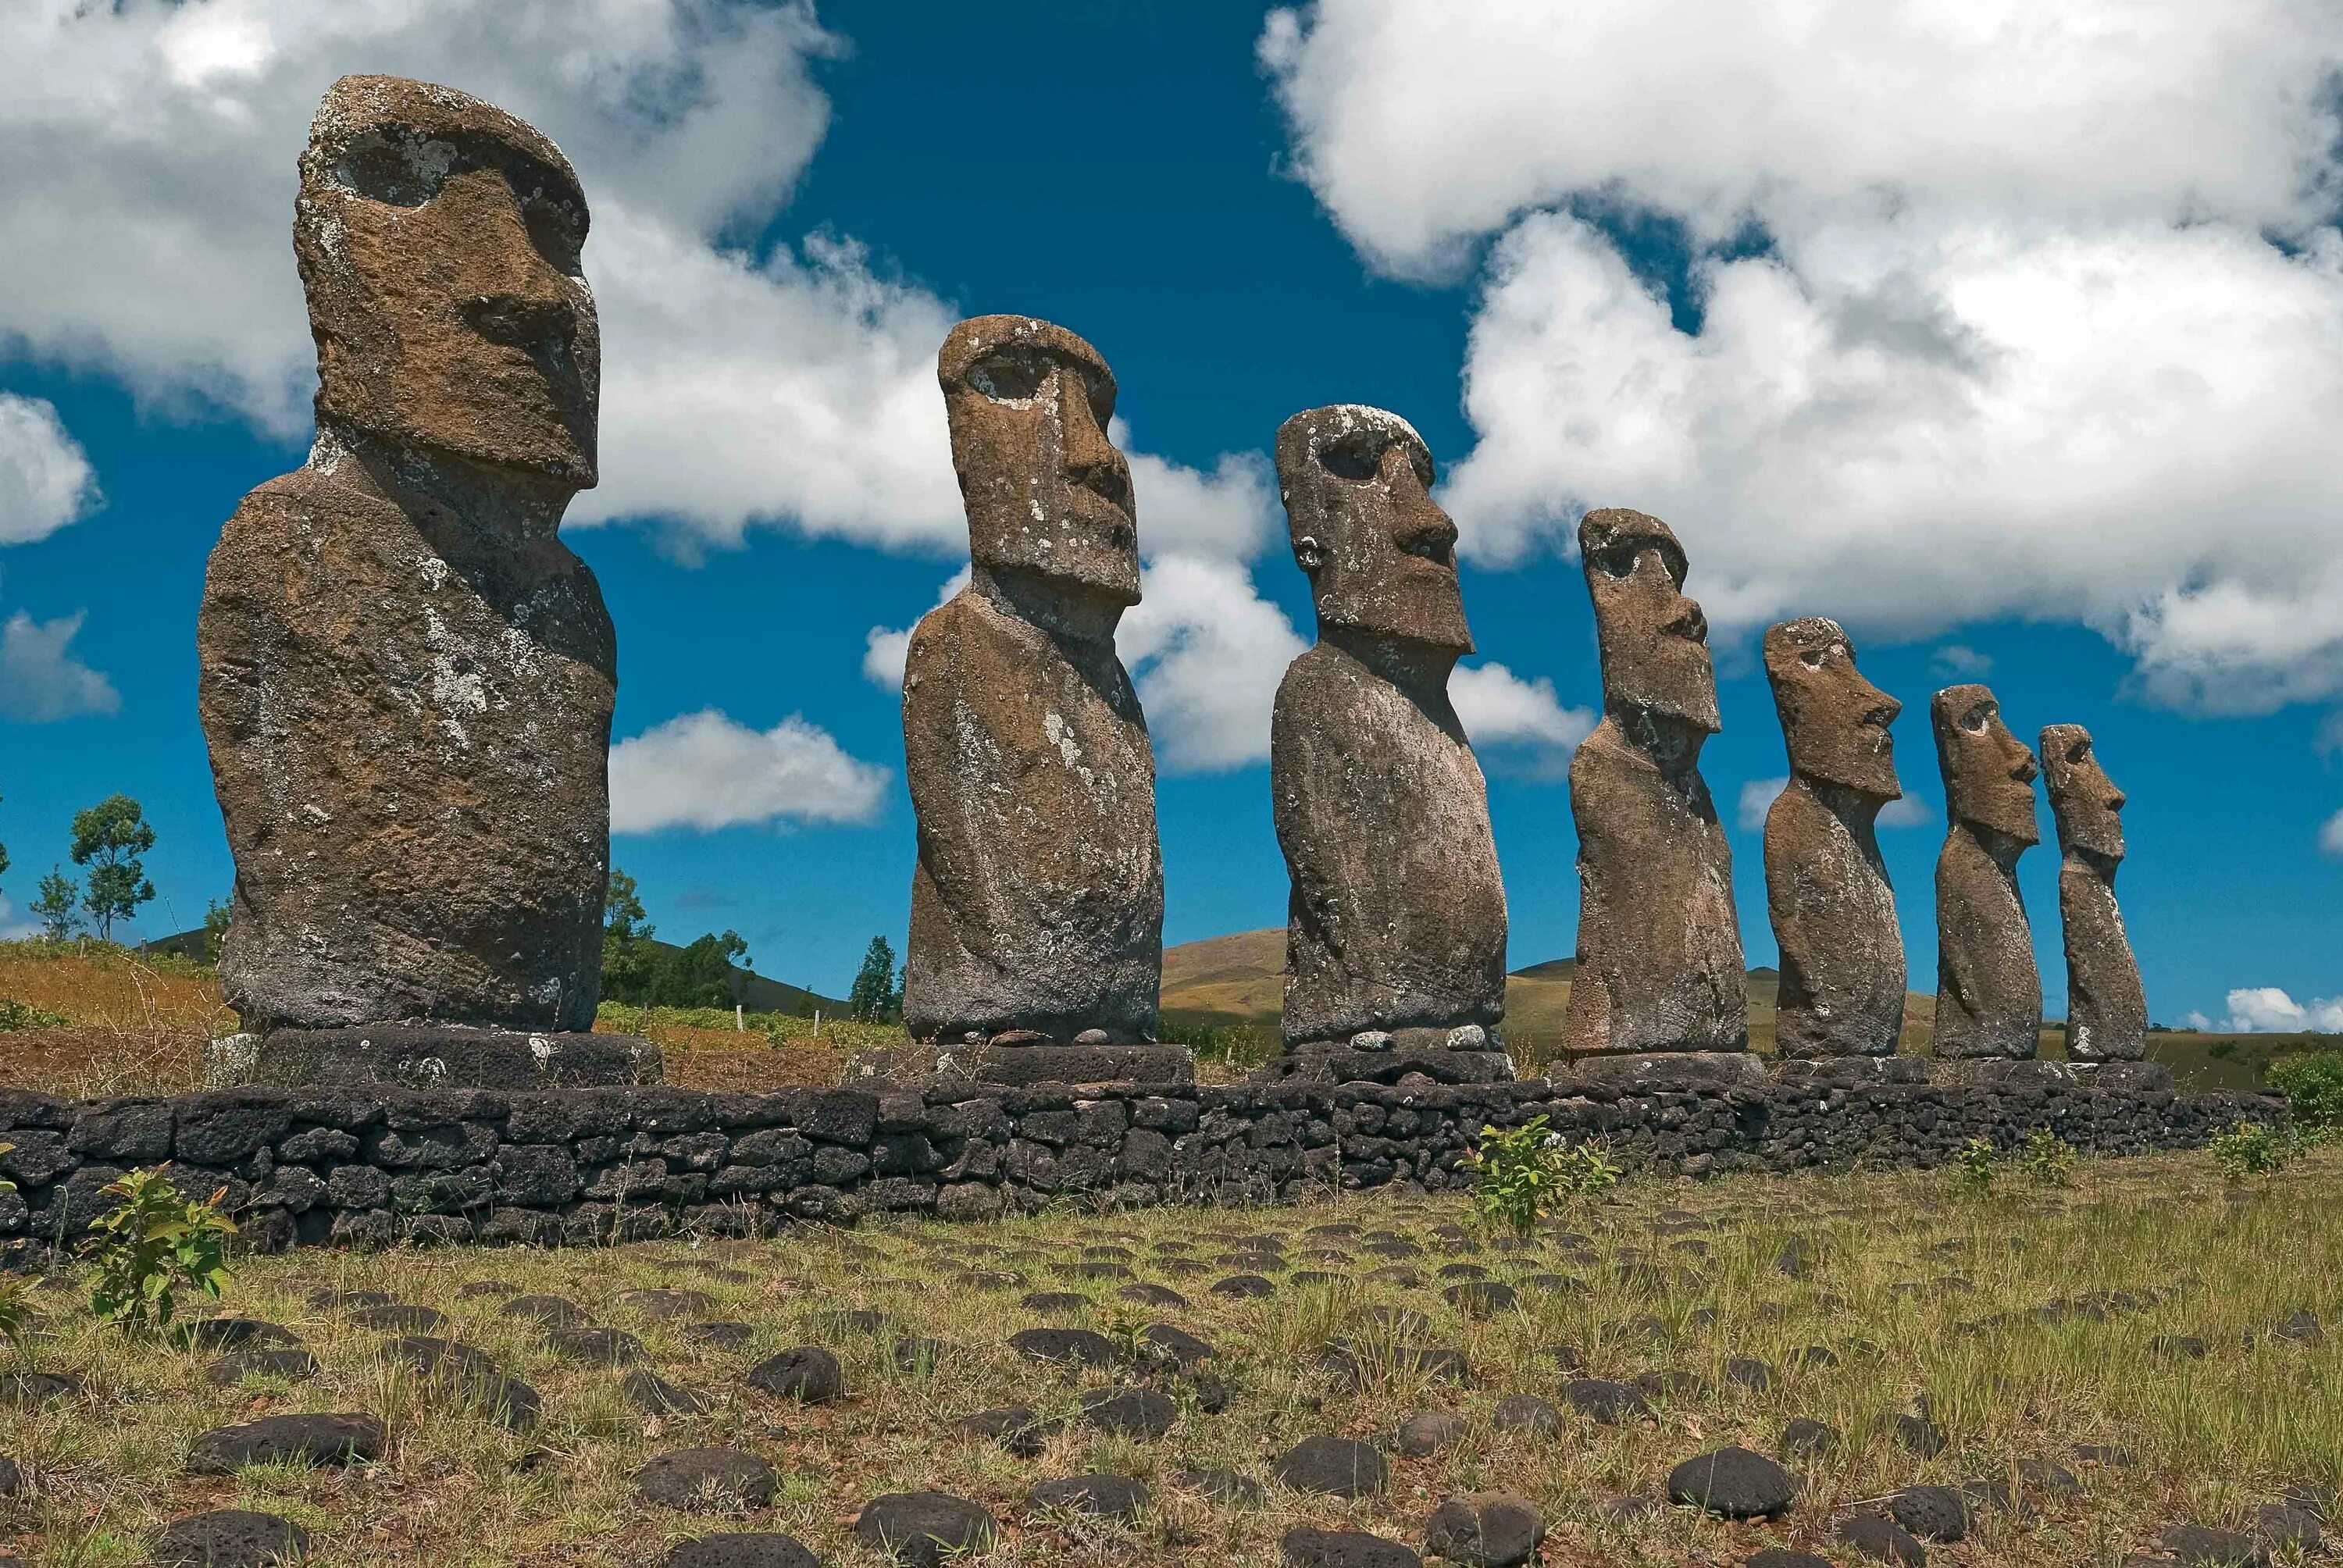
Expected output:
(1310, 553)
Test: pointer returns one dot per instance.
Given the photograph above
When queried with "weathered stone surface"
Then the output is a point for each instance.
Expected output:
(924, 1529)
(406, 679)
(749, 1549)
(708, 1480)
(2107, 1007)
(1038, 901)
(326, 1440)
(1397, 914)
(1988, 991)
(228, 1538)
(1826, 889)
(426, 1056)
(1659, 963)
(1485, 1530)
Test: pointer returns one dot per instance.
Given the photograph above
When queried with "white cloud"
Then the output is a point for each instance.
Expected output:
(1500, 710)
(12, 929)
(41, 680)
(2330, 837)
(1206, 652)
(2267, 1009)
(1757, 799)
(887, 650)
(2040, 320)
(45, 478)
(1958, 662)
(1227, 512)
(1906, 812)
(1423, 124)
(702, 770)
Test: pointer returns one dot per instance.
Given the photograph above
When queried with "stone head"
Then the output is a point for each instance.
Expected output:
(1380, 554)
(1988, 773)
(1832, 719)
(438, 240)
(1652, 640)
(1046, 490)
(2084, 802)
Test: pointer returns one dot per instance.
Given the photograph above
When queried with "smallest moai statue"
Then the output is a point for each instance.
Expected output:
(1989, 990)
(2106, 1010)
(1826, 889)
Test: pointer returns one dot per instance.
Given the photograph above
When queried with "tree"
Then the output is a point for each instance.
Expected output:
(629, 963)
(216, 923)
(701, 973)
(108, 838)
(58, 909)
(876, 998)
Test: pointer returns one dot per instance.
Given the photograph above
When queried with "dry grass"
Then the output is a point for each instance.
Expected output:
(1905, 1272)
(135, 1023)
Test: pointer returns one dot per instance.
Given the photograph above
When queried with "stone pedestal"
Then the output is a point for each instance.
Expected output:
(1016, 1064)
(435, 1056)
(1335, 1063)
(1655, 1072)
(1853, 1071)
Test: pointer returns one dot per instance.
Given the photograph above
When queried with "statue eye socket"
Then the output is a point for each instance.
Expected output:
(1356, 458)
(1812, 659)
(554, 230)
(401, 170)
(1008, 378)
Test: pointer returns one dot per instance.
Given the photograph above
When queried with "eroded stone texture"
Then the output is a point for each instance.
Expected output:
(1834, 913)
(1988, 991)
(2107, 1008)
(406, 678)
(1659, 949)
(1396, 919)
(1038, 902)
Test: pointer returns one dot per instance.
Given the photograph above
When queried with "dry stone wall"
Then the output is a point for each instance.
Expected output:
(358, 1168)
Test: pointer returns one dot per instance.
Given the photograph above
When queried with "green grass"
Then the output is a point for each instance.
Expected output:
(2214, 1436)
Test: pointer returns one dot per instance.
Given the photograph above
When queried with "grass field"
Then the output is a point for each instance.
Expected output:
(2025, 1324)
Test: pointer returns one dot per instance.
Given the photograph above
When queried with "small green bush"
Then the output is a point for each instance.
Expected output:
(1973, 1164)
(15, 1015)
(2249, 1150)
(2048, 1160)
(2313, 1086)
(153, 1242)
(1521, 1170)
(16, 1308)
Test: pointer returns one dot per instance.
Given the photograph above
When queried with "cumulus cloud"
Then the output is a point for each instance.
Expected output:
(1906, 812)
(41, 681)
(1757, 797)
(1957, 661)
(2267, 1010)
(45, 476)
(1206, 652)
(1998, 310)
(703, 770)
(2331, 835)
(887, 649)
(1500, 710)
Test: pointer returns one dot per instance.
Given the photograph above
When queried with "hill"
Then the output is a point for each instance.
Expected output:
(758, 993)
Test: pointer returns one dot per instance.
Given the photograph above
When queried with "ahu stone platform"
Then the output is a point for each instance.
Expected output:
(369, 1168)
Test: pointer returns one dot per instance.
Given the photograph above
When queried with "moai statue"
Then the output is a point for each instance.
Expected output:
(1037, 908)
(1396, 932)
(406, 678)
(1834, 913)
(1659, 965)
(1988, 991)
(2106, 1010)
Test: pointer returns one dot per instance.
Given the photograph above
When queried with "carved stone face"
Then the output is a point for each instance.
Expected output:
(1833, 720)
(1381, 554)
(1653, 640)
(1046, 491)
(2083, 799)
(1988, 773)
(438, 239)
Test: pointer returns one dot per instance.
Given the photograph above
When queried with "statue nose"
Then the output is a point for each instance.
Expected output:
(1090, 459)
(2114, 800)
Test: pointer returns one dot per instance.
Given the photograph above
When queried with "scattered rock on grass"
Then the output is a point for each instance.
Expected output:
(1175, 1345)
(1805, 1438)
(293, 1365)
(668, 1305)
(1482, 1298)
(1225, 1487)
(1245, 1287)
(1134, 1411)
(1918, 1433)
(652, 1394)
(2200, 1546)
(1485, 1530)
(597, 1347)
(12, 1478)
(319, 1440)
(1626, 1507)
(1749, 1372)
(1601, 1400)
(1080, 1347)
(1786, 1557)
(228, 1538)
(807, 1373)
(919, 1529)
(1014, 1427)
(217, 1335)
(1053, 1302)
(552, 1312)
(740, 1550)
(1116, 1497)
(2045, 1475)
(720, 1335)
(1335, 1466)
(1936, 1513)
(1733, 1483)
(1152, 1295)
(1881, 1538)
(1429, 1432)
(23, 1390)
(1306, 1547)
(1525, 1413)
(472, 1374)
(706, 1480)
(400, 1318)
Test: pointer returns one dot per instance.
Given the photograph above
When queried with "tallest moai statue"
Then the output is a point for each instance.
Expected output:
(406, 679)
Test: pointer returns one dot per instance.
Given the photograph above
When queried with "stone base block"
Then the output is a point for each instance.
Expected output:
(1657, 1071)
(2148, 1076)
(1341, 1064)
(1852, 1071)
(2139, 1076)
(1017, 1065)
(447, 1056)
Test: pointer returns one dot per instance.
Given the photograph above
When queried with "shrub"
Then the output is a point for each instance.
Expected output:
(15, 1309)
(2313, 1086)
(2250, 1149)
(2048, 1160)
(150, 1245)
(1520, 1169)
(1973, 1164)
(15, 1015)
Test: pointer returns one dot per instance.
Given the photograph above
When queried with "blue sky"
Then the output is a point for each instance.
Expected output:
(2050, 420)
